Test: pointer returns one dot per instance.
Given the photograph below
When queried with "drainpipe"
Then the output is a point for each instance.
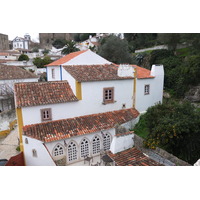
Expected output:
(134, 86)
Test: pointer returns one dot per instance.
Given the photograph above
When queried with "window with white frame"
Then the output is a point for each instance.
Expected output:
(53, 73)
(106, 141)
(96, 145)
(147, 89)
(84, 147)
(72, 151)
(58, 150)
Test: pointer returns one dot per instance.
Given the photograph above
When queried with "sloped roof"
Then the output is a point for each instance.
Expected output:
(84, 73)
(143, 73)
(14, 72)
(132, 157)
(17, 160)
(66, 58)
(66, 128)
(42, 93)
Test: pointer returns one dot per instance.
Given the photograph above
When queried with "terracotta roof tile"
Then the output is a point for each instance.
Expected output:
(66, 58)
(14, 72)
(66, 128)
(143, 73)
(84, 73)
(42, 93)
(132, 157)
(17, 160)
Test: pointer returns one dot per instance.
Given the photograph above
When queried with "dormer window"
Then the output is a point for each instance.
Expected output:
(46, 114)
(108, 95)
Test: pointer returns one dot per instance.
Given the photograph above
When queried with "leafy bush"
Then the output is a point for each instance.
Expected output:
(176, 128)
(23, 57)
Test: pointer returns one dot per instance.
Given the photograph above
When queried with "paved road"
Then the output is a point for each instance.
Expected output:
(8, 145)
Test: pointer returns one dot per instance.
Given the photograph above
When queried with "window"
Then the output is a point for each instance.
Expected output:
(108, 95)
(26, 140)
(84, 148)
(34, 152)
(146, 89)
(72, 151)
(58, 150)
(106, 141)
(96, 145)
(53, 73)
(46, 114)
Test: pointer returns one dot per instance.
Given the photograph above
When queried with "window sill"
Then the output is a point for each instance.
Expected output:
(108, 102)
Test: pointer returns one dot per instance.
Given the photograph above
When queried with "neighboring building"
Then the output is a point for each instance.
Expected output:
(4, 43)
(9, 75)
(22, 43)
(87, 108)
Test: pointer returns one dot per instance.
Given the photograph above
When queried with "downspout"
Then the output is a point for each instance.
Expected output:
(61, 72)
(134, 86)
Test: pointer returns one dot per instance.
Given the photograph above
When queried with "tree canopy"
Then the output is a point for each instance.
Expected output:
(40, 63)
(115, 50)
(23, 57)
(70, 46)
(176, 128)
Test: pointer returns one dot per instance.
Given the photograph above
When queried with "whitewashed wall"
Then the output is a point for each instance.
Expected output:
(77, 140)
(91, 103)
(11, 83)
(57, 70)
(43, 157)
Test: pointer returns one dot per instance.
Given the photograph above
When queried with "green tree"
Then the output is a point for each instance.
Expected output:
(115, 50)
(176, 128)
(170, 39)
(70, 47)
(23, 57)
(59, 43)
(40, 63)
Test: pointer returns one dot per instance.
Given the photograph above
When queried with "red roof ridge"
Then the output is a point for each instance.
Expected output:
(66, 58)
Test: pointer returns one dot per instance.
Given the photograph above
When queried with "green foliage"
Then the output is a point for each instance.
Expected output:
(176, 128)
(115, 50)
(35, 49)
(23, 57)
(40, 63)
(70, 47)
(59, 43)
(18, 148)
(46, 51)
(79, 37)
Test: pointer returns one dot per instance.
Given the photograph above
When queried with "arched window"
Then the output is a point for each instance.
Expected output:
(106, 141)
(72, 151)
(84, 147)
(96, 145)
(58, 150)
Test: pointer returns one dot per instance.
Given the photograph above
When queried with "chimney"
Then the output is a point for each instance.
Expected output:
(125, 70)
(157, 70)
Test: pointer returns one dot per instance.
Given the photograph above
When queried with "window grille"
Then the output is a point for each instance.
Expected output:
(146, 89)
(96, 145)
(58, 150)
(106, 141)
(72, 151)
(84, 148)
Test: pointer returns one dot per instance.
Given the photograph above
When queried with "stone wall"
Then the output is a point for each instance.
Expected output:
(4, 44)
(138, 142)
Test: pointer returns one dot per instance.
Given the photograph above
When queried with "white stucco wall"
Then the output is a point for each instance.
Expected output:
(77, 140)
(121, 143)
(91, 103)
(11, 82)
(43, 158)
(57, 73)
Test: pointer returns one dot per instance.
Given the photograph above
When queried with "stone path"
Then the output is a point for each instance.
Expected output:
(9, 144)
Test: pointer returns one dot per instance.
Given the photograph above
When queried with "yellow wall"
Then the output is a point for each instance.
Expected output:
(20, 126)
(78, 90)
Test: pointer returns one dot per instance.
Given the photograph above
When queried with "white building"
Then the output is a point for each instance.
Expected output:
(22, 43)
(80, 112)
